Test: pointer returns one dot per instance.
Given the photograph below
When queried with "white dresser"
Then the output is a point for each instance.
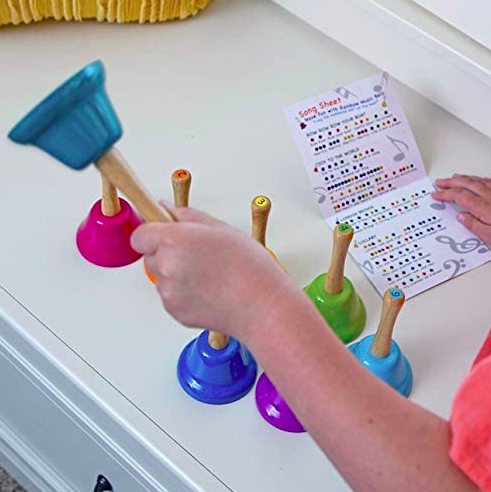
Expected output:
(87, 355)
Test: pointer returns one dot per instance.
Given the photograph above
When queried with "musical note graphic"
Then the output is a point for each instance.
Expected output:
(384, 81)
(344, 93)
(399, 156)
(321, 192)
(380, 87)
(367, 266)
(467, 246)
(438, 206)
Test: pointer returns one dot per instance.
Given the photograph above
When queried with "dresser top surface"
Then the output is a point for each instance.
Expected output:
(207, 94)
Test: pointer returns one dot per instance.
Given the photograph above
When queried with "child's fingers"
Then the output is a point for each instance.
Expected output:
(474, 204)
(147, 238)
(164, 289)
(466, 182)
(476, 226)
(484, 181)
(155, 265)
(186, 214)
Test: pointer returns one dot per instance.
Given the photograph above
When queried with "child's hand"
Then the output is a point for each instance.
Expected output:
(209, 274)
(472, 193)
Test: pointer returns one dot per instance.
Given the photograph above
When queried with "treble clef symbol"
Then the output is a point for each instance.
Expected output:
(466, 246)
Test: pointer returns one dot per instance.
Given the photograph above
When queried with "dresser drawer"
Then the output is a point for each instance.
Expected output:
(57, 445)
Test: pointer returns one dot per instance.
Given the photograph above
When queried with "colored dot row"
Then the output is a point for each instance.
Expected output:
(392, 257)
(401, 263)
(372, 171)
(330, 166)
(356, 156)
(357, 188)
(384, 123)
(407, 207)
(381, 217)
(423, 222)
(345, 182)
(346, 171)
(382, 188)
(405, 168)
(375, 211)
(386, 237)
(372, 244)
(362, 132)
(343, 204)
(411, 279)
(376, 252)
(360, 197)
(397, 202)
(381, 250)
(341, 183)
(361, 121)
(411, 269)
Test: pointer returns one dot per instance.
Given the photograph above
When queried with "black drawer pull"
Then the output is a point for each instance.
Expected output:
(103, 484)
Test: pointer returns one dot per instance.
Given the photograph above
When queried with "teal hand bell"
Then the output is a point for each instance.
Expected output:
(380, 354)
(77, 125)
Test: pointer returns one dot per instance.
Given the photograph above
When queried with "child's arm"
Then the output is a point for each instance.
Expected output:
(377, 440)
(472, 193)
(212, 276)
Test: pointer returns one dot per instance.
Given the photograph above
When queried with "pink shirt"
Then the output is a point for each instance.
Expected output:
(471, 421)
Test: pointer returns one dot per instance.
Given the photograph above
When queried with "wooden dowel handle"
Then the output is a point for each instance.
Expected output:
(217, 340)
(342, 236)
(181, 183)
(260, 208)
(392, 304)
(115, 169)
(110, 199)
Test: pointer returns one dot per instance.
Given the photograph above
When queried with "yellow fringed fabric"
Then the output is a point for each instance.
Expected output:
(26, 11)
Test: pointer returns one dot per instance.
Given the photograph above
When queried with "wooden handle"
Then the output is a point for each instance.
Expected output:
(181, 183)
(113, 167)
(110, 199)
(260, 208)
(392, 304)
(217, 340)
(342, 236)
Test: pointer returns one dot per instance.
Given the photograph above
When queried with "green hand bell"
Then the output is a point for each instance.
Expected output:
(334, 295)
